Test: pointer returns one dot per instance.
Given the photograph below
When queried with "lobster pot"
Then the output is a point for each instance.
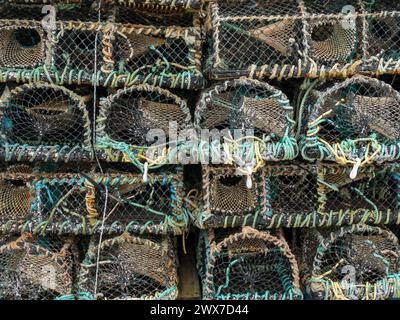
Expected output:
(292, 39)
(44, 120)
(372, 195)
(247, 265)
(36, 268)
(351, 263)
(138, 117)
(382, 33)
(122, 202)
(229, 200)
(126, 47)
(354, 120)
(276, 196)
(131, 268)
(251, 118)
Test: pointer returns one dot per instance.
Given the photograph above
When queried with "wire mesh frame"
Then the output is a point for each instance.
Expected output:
(76, 204)
(127, 54)
(371, 251)
(249, 104)
(297, 39)
(298, 196)
(37, 267)
(44, 119)
(131, 268)
(227, 256)
(126, 117)
(366, 116)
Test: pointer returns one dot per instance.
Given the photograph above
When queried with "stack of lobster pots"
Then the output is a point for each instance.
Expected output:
(267, 128)
(91, 196)
(300, 197)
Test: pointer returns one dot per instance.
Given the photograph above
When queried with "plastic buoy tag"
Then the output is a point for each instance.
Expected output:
(354, 171)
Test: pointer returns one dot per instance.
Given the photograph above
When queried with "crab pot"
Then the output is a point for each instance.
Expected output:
(128, 46)
(354, 120)
(130, 268)
(228, 200)
(371, 194)
(122, 202)
(276, 196)
(44, 118)
(257, 117)
(138, 117)
(247, 264)
(289, 39)
(36, 268)
(358, 262)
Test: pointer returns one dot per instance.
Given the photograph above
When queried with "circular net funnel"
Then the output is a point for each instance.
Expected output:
(356, 118)
(250, 265)
(15, 199)
(352, 263)
(21, 46)
(131, 115)
(131, 268)
(229, 200)
(44, 114)
(332, 41)
(252, 109)
(39, 268)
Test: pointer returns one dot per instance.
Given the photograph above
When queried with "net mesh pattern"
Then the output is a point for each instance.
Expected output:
(21, 46)
(353, 263)
(251, 109)
(297, 195)
(126, 46)
(132, 118)
(353, 119)
(131, 268)
(78, 202)
(36, 268)
(45, 115)
(247, 265)
(286, 39)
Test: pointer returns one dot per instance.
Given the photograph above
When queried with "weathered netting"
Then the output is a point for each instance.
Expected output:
(125, 47)
(228, 199)
(258, 112)
(77, 203)
(305, 38)
(297, 196)
(45, 119)
(130, 119)
(354, 120)
(352, 263)
(36, 268)
(247, 264)
(131, 267)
